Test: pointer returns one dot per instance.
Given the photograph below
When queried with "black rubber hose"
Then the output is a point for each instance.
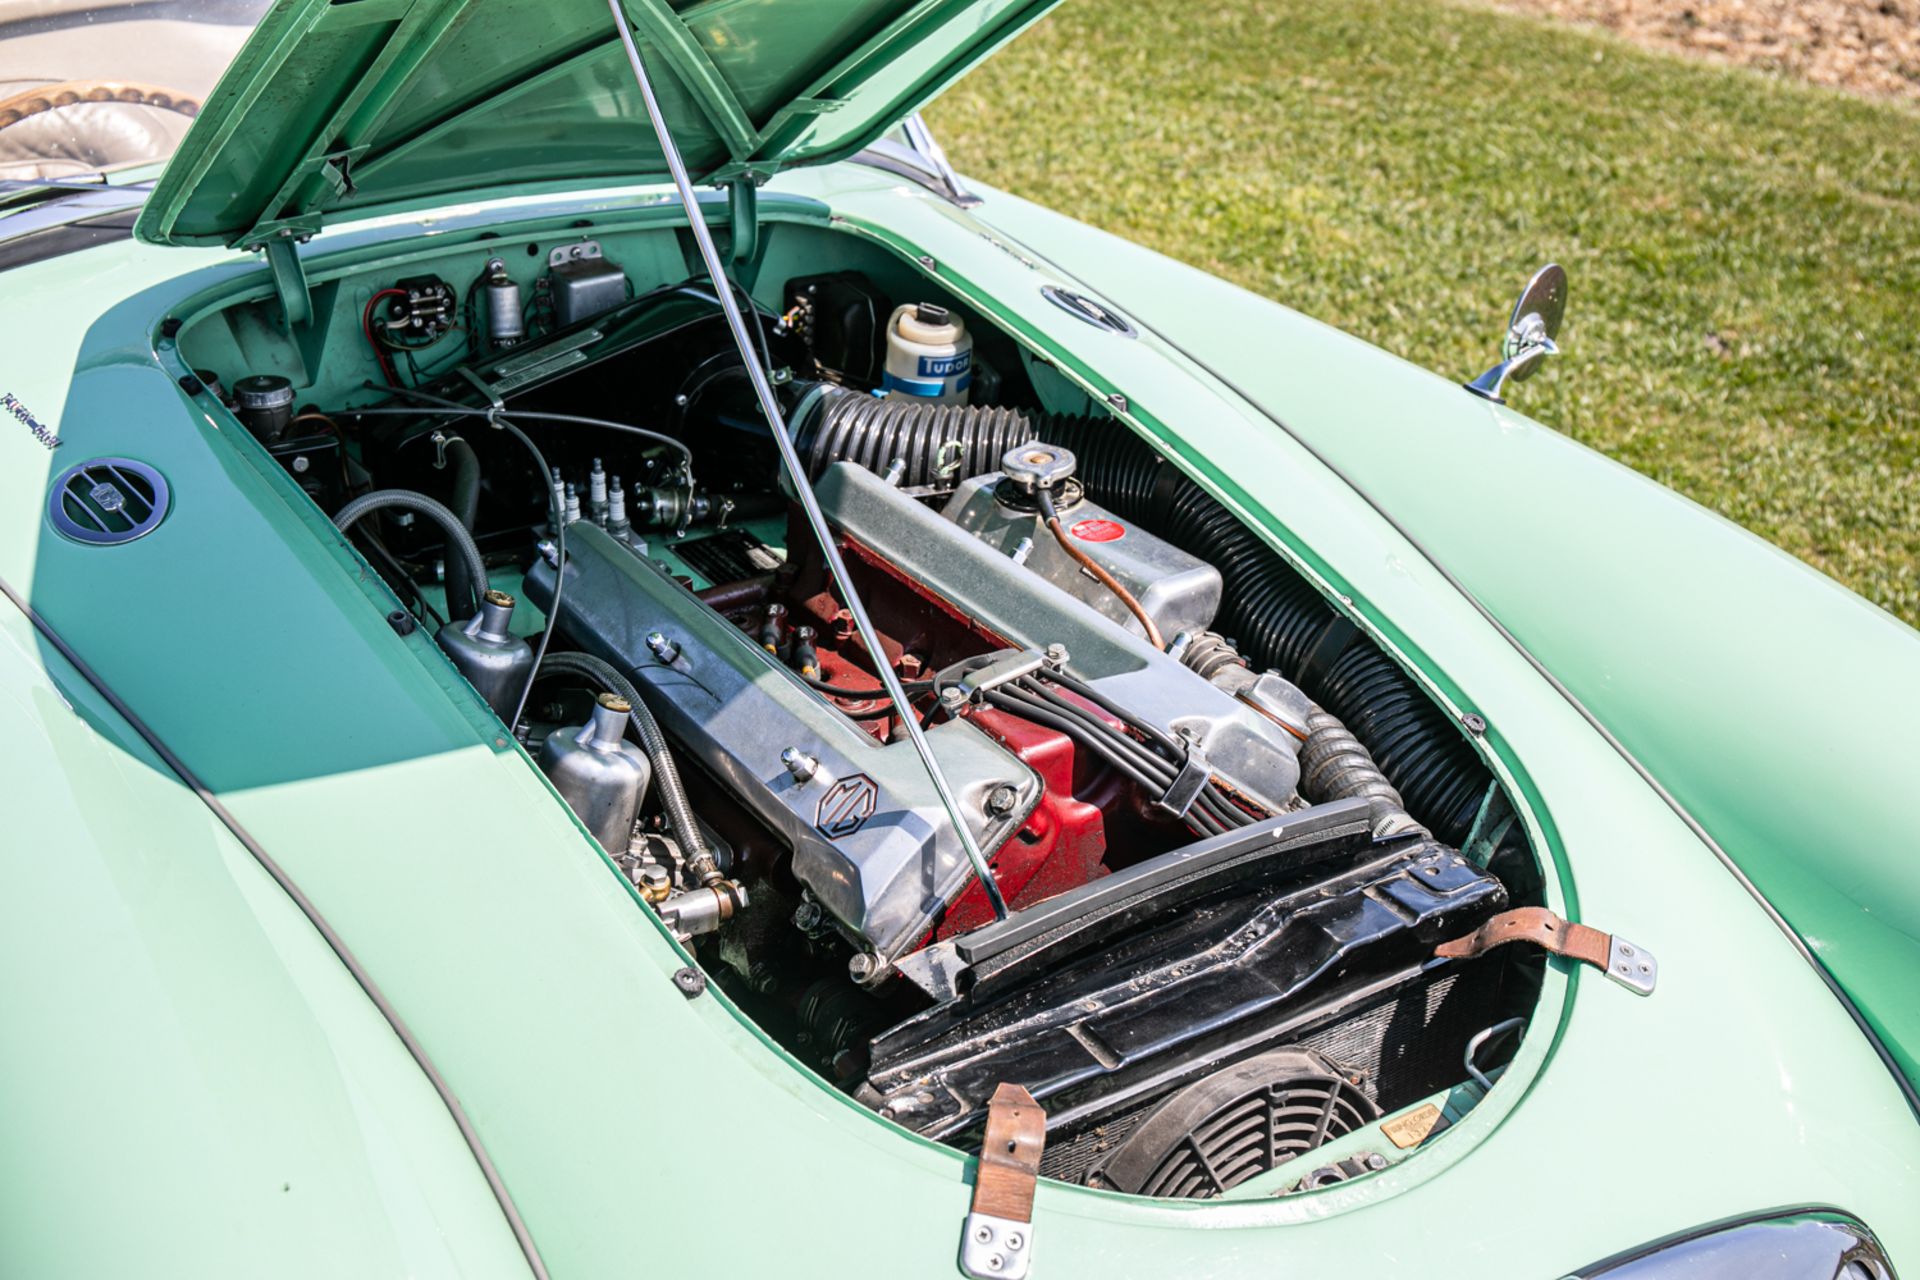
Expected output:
(941, 444)
(673, 792)
(460, 543)
(463, 594)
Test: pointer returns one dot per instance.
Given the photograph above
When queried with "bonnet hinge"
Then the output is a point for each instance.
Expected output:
(289, 280)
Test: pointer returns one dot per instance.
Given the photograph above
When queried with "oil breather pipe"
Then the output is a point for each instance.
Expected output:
(790, 459)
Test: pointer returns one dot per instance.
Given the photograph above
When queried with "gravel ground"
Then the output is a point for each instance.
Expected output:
(1867, 46)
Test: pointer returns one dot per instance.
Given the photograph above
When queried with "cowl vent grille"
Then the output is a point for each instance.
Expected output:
(108, 501)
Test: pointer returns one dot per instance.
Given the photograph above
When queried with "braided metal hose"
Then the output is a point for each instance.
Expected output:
(459, 542)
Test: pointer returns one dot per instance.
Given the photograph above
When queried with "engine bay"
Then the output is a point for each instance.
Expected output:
(1224, 830)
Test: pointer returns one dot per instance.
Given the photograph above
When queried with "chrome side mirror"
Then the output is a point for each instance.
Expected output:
(1530, 333)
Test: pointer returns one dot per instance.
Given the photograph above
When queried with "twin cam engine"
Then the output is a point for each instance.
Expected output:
(1018, 645)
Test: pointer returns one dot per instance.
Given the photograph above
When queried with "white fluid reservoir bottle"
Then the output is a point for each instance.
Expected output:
(929, 355)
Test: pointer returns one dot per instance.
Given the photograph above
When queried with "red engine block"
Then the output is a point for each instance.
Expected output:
(1063, 843)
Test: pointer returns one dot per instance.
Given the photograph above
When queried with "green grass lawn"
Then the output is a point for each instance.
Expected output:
(1744, 251)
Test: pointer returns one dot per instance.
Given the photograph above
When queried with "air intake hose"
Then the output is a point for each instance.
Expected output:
(941, 444)
(1334, 765)
(465, 507)
(461, 548)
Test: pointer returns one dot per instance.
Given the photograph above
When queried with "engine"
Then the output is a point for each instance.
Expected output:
(1018, 677)
(1228, 827)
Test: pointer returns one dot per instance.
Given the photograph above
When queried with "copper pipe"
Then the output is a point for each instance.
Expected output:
(1104, 578)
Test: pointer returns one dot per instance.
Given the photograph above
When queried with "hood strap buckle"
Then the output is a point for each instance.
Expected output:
(997, 1242)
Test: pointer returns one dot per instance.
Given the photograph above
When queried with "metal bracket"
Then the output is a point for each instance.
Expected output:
(743, 219)
(1630, 965)
(289, 281)
(1188, 783)
(336, 168)
(996, 1248)
(1002, 671)
(573, 251)
(997, 1241)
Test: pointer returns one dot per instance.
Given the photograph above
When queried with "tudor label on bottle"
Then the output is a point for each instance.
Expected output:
(1098, 530)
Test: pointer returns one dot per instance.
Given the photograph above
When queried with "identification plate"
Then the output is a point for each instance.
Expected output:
(1411, 1129)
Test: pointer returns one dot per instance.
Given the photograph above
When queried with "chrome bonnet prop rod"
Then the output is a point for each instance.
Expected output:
(790, 459)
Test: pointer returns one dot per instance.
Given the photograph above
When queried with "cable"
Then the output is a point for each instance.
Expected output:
(841, 691)
(536, 415)
(559, 569)
(528, 415)
(1081, 688)
(366, 327)
(1211, 812)
(1086, 562)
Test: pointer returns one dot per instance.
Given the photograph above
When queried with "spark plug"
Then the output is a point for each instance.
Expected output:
(597, 494)
(617, 523)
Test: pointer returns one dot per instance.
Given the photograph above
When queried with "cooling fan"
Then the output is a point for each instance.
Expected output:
(1238, 1122)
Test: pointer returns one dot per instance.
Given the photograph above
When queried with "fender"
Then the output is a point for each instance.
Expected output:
(1692, 643)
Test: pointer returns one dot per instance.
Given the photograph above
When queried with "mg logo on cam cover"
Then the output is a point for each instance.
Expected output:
(847, 806)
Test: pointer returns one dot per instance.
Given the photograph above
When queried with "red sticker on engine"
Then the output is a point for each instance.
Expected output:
(1098, 530)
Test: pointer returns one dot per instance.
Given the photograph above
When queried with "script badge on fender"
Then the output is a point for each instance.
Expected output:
(846, 806)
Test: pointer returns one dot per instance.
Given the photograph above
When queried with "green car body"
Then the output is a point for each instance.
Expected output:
(1708, 741)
